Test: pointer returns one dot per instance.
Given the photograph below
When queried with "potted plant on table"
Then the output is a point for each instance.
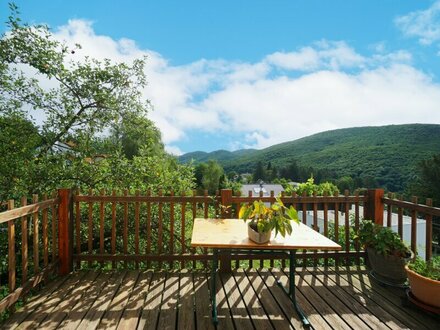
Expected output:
(386, 252)
(424, 280)
(264, 219)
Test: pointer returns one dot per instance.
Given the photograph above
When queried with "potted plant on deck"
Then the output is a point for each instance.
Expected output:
(424, 280)
(264, 219)
(386, 252)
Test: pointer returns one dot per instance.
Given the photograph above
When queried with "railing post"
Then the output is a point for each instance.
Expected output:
(374, 206)
(428, 253)
(65, 231)
(226, 202)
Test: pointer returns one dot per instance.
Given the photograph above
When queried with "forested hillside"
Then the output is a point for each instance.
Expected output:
(386, 155)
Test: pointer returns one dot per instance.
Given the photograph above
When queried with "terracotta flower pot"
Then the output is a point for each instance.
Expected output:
(259, 238)
(424, 289)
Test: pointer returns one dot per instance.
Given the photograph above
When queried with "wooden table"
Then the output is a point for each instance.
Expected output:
(231, 234)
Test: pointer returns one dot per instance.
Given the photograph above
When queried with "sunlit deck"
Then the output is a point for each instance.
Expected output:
(247, 299)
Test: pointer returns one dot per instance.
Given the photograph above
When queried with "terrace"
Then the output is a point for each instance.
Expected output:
(121, 260)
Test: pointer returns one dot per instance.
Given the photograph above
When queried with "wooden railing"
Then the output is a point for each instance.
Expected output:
(138, 228)
(415, 212)
(160, 227)
(37, 237)
(153, 230)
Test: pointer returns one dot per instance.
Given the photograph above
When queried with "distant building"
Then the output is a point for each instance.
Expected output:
(263, 187)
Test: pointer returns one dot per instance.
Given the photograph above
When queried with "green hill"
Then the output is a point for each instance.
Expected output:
(219, 155)
(389, 154)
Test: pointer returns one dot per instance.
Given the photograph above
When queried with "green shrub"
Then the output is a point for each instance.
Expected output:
(382, 239)
(430, 269)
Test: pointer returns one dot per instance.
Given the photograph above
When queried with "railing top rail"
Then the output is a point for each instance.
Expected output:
(430, 210)
(302, 199)
(19, 212)
(135, 198)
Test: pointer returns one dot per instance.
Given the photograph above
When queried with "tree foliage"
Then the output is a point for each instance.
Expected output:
(427, 182)
(209, 176)
(72, 120)
(259, 172)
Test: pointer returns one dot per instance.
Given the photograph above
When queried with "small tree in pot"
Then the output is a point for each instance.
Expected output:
(263, 219)
(387, 254)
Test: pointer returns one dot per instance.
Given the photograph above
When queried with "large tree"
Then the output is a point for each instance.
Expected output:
(92, 128)
(259, 172)
(208, 175)
(427, 182)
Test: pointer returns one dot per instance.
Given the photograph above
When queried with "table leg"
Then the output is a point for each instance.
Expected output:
(213, 286)
(291, 291)
(298, 309)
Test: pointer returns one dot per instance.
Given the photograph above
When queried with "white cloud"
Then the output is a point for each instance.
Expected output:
(305, 59)
(173, 150)
(285, 96)
(324, 55)
(422, 24)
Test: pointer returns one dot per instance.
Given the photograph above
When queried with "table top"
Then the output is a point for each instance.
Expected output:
(232, 234)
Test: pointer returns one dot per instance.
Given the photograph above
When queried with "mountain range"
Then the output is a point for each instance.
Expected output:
(389, 154)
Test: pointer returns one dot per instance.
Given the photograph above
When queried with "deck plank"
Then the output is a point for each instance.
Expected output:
(364, 299)
(33, 303)
(186, 317)
(44, 310)
(102, 303)
(150, 312)
(203, 301)
(354, 302)
(319, 304)
(223, 309)
(79, 311)
(268, 303)
(253, 305)
(114, 313)
(133, 309)
(168, 307)
(389, 301)
(66, 305)
(281, 297)
(342, 298)
(331, 299)
(240, 316)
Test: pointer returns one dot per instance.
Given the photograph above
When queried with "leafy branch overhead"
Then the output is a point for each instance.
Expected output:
(86, 118)
(85, 94)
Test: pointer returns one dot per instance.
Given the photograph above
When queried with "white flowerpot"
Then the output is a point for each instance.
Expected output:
(259, 238)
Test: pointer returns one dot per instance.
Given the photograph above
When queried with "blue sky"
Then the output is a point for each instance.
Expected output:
(238, 74)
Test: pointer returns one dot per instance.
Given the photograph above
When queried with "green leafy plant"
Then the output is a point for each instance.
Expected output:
(429, 269)
(382, 239)
(310, 187)
(265, 218)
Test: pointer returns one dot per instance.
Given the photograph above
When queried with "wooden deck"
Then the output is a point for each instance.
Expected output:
(247, 299)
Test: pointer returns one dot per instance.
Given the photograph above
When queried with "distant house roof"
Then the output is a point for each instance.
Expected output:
(265, 188)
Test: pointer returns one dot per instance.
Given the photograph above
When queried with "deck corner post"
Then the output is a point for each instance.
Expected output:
(65, 231)
(226, 202)
(374, 206)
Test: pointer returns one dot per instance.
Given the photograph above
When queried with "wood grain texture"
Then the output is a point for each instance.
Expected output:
(26, 210)
(186, 306)
(232, 233)
(11, 251)
(333, 298)
(35, 226)
(24, 244)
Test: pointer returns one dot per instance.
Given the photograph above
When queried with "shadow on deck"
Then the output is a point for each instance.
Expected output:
(247, 299)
